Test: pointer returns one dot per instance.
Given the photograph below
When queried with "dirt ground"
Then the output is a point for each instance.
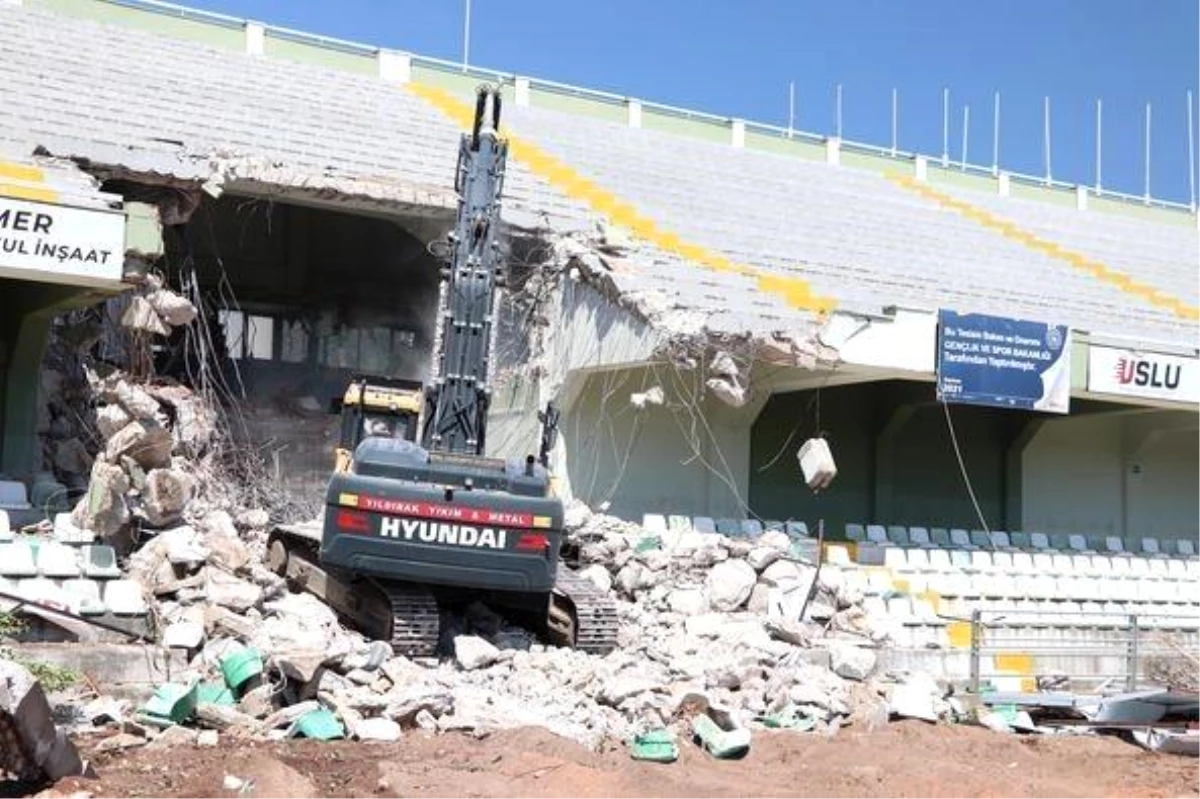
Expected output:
(903, 759)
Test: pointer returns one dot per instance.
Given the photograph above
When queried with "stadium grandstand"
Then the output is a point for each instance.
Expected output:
(697, 295)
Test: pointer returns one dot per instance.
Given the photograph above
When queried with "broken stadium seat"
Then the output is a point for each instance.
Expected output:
(57, 560)
(17, 559)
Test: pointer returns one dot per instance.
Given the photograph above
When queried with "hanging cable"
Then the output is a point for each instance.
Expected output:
(962, 467)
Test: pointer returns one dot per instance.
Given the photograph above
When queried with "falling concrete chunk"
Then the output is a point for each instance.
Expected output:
(727, 390)
(652, 396)
(141, 316)
(172, 308)
(166, 494)
(146, 442)
(229, 591)
(103, 508)
(112, 418)
(599, 576)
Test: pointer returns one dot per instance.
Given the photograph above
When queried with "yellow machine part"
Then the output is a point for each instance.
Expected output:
(383, 398)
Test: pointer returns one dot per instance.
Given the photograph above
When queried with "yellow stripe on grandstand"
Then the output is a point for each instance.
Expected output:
(795, 291)
(11, 170)
(19, 191)
(1080, 262)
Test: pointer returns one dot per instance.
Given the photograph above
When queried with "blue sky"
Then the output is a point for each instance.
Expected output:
(736, 58)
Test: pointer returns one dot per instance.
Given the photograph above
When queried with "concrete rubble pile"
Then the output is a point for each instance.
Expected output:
(704, 617)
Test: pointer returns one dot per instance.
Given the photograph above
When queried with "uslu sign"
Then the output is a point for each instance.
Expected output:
(1143, 374)
(60, 244)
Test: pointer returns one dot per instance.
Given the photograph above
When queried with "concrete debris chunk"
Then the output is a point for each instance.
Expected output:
(146, 442)
(33, 747)
(141, 316)
(166, 494)
(377, 729)
(171, 308)
(104, 509)
(473, 652)
(729, 584)
(852, 662)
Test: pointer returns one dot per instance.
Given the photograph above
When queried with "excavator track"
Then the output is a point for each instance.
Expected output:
(595, 614)
(416, 621)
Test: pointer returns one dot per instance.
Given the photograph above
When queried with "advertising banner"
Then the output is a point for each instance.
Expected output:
(60, 244)
(1003, 363)
(1112, 370)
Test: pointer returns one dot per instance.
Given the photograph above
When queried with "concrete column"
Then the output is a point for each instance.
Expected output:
(921, 168)
(1081, 197)
(738, 133)
(885, 462)
(1002, 184)
(394, 67)
(833, 150)
(256, 36)
(1014, 511)
(634, 109)
(521, 92)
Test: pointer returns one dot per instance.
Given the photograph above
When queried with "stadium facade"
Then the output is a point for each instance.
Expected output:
(698, 296)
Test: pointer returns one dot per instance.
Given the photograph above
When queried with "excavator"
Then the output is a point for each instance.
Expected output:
(416, 518)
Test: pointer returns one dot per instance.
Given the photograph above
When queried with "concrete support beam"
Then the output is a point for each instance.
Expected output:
(1081, 198)
(885, 462)
(737, 130)
(521, 92)
(1002, 184)
(921, 168)
(833, 150)
(634, 110)
(256, 38)
(394, 67)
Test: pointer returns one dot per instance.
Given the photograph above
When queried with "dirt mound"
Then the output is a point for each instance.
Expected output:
(905, 759)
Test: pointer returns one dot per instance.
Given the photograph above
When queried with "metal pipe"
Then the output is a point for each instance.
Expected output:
(1099, 110)
(1191, 153)
(945, 126)
(996, 134)
(466, 34)
(839, 111)
(791, 107)
(1046, 136)
(895, 114)
(1147, 193)
(966, 129)
(22, 601)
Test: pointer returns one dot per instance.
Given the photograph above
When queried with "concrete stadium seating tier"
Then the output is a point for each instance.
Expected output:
(64, 570)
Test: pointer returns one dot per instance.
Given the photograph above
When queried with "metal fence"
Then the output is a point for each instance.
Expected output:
(1040, 650)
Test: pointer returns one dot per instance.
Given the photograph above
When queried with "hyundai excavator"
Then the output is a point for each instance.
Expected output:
(416, 518)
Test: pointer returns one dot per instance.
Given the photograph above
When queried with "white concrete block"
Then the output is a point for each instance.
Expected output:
(256, 38)
(737, 133)
(57, 560)
(125, 597)
(634, 112)
(16, 559)
(1003, 186)
(394, 67)
(833, 151)
(1081, 198)
(921, 168)
(521, 92)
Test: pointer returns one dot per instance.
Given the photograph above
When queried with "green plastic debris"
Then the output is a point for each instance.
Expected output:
(790, 718)
(240, 667)
(172, 702)
(214, 693)
(656, 746)
(648, 542)
(319, 724)
(722, 744)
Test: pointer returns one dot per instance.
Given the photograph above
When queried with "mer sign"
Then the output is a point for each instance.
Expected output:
(61, 244)
(1003, 363)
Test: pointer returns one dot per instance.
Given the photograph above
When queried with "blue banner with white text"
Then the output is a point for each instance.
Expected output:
(1003, 363)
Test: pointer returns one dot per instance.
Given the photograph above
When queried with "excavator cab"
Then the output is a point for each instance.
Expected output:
(377, 407)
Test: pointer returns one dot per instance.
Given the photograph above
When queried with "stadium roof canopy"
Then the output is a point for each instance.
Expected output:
(746, 237)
